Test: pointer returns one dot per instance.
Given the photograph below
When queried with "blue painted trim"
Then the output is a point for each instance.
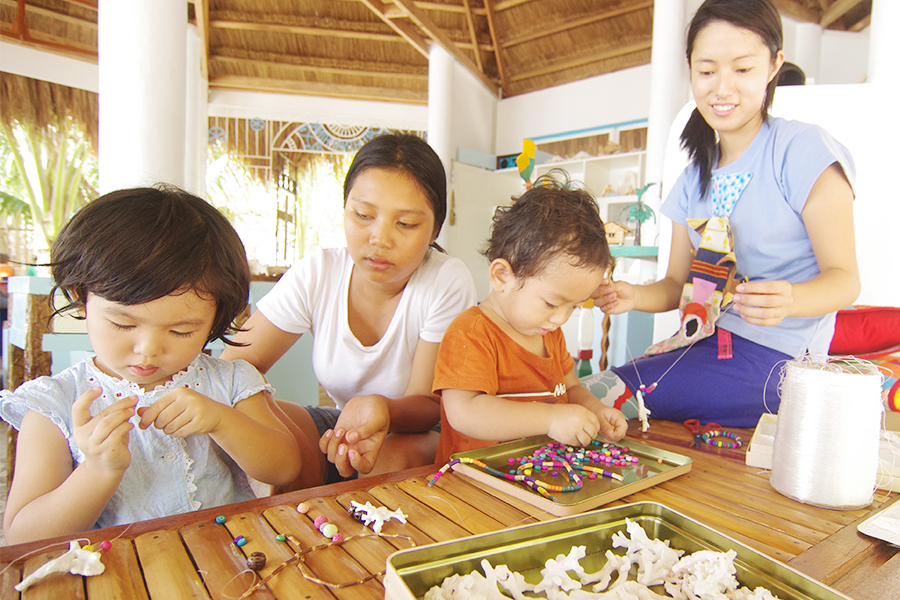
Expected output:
(588, 130)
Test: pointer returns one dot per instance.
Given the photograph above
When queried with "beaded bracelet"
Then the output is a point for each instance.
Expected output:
(737, 443)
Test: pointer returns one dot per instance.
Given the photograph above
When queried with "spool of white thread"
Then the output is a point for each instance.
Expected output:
(826, 445)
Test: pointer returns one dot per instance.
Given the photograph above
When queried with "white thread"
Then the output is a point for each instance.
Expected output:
(826, 445)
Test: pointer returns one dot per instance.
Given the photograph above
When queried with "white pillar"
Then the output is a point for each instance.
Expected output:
(884, 44)
(440, 98)
(440, 132)
(669, 79)
(807, 50)
(196, 120)
(142, 46)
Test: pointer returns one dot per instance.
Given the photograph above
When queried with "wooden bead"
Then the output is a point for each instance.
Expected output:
(256, 561)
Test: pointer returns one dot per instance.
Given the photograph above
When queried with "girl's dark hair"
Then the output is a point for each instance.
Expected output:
(137, 245)
(411, 155)
(552, 218)
(762, 18)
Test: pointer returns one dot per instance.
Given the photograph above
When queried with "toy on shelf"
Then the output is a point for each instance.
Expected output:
(525, 162)
(638, 212)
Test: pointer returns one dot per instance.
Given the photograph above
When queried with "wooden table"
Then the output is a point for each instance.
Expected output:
(191, 556)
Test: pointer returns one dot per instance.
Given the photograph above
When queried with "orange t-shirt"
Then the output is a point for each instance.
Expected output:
(477, 355)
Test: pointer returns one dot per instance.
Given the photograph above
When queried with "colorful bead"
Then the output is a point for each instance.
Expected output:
(256, 561)
(220, 519)
(240, 540)
(328, 530)
(105, 545)
(303, 508)
(319, 521)
(89, 548)
(338, 537)
(280, 537)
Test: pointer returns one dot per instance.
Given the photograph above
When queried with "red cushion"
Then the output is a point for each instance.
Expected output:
(866, 331)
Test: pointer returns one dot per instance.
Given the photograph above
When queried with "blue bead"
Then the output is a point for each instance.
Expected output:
(220, 519)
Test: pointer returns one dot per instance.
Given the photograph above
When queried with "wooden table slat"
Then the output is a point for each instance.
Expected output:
(225, 573)
(331, 564)
(411, 528)
(440, 528)
(55, 585)
(10, 576)
(168, 570)
(461, 513)
(121, 577)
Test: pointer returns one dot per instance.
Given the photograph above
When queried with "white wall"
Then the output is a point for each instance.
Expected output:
(826, 57)
(597, 102)
(317, 109)
(46, 66)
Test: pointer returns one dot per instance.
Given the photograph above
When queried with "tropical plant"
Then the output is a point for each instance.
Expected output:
(50, 169)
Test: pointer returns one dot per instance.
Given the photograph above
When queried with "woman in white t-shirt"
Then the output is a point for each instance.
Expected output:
(377, 311)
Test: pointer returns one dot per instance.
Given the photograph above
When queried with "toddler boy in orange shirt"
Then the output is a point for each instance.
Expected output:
(503, 370)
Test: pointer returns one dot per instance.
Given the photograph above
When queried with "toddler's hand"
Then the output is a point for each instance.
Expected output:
(613, 424)
(573, 424)
(614, 297)
(104, 437)
(182, 412)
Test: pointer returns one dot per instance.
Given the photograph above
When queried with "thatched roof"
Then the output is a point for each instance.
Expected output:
(377, 49)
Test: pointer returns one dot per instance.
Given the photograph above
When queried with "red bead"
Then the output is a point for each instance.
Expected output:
(105, 545)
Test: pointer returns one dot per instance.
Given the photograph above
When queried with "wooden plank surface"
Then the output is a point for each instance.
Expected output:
(190, 556)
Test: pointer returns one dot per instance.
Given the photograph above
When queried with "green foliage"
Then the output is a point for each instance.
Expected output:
(49, 169)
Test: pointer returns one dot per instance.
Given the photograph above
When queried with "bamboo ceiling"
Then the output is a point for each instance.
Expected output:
(377, 49)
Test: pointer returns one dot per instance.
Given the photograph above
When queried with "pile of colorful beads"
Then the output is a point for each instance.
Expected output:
(327, 529)
(551, 457)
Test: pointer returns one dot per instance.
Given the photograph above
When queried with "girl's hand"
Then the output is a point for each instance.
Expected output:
(357, 437)
(614, 297)
(573, 424)
(763, 302)
(104, 437)
(182, 412)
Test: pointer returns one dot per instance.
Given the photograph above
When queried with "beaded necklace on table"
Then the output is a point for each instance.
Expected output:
(555, 455)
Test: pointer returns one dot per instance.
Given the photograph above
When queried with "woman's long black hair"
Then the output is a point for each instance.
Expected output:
(762, 18)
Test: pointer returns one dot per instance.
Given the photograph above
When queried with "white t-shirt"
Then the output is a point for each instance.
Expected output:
(312, 297)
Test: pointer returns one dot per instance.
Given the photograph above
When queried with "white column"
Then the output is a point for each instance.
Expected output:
(807, 50)
(669, 79)
(884, 44)
(440, 119)
(440, 99)
(142, 46)
(196, 120)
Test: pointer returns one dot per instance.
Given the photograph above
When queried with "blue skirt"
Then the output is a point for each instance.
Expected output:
(732, 392)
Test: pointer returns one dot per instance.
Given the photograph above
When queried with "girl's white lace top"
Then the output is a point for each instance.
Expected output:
(167, 475)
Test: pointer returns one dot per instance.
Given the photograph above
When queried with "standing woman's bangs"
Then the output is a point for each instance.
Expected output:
(409, 154)
(762, 18)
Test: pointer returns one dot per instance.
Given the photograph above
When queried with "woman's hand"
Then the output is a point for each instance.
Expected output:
(104, 437)
(573, 424)
(614, 297)
(357, 437)
(182, 412)
(763, 302)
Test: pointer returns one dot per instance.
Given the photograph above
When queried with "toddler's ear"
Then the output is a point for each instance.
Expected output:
(501, 274)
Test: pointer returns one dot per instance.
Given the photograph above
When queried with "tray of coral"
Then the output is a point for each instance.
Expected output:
(641, 550)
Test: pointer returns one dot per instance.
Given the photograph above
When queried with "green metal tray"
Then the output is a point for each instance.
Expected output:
(411, 573)
(655, 466)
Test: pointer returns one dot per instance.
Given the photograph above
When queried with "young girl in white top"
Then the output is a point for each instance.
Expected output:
(785, 188)
(149, 426)
(377, 311)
